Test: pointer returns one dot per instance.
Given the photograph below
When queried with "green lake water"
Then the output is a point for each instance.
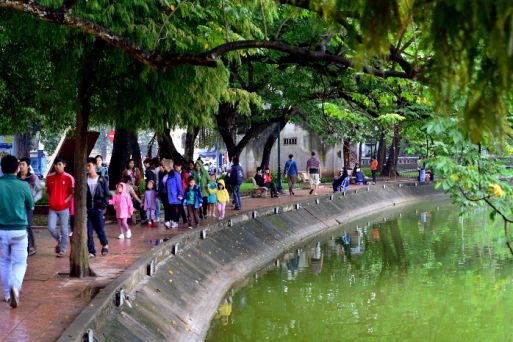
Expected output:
(424, 273)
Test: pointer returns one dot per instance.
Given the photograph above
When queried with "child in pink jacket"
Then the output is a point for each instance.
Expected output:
(124, 209)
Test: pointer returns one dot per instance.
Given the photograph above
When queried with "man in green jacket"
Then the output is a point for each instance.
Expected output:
(15, 200)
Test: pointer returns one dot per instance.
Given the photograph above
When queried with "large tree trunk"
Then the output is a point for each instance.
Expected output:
(382, 153)
(227, 126)
(190, 140)
(390, 169)
(125, 147)
(23, 145)
(79, 256)
(347, 151)
(167, 148)
(135, 150)
(269, 143)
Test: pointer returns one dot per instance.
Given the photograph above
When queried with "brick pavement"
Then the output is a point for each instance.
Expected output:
(50, 300)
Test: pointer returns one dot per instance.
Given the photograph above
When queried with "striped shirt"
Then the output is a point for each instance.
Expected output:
(313, 163)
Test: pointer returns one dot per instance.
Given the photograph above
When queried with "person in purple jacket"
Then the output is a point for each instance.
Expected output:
(173, 183)
(150, 202)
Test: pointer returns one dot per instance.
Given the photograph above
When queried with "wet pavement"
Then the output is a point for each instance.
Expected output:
(50, 300)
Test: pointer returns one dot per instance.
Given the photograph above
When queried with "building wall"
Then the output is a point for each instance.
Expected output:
(331, 156)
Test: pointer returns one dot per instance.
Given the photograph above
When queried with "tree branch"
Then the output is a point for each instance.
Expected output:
(160, 62)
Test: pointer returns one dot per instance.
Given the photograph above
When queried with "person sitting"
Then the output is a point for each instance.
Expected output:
(262, 181)
(360, 177)
(356, 166)
(269, 183)
(338, 180)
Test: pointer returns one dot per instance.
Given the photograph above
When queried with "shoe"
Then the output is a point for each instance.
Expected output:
(105, 250)
(311, 192)
(236, 209)
(174, 224)
(92, 256)
(32, 251)
(221, 218)
(14, 301)
(293, 194)
(60, 254)
(57, 250)
(121, 236)
(167, 224)
(190, 227)
(128, 234)
(70, 234)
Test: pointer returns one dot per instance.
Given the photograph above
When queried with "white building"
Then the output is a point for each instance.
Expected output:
(299, 142)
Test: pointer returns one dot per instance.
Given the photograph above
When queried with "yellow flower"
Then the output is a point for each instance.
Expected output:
(454, 177)
(496, 190)
(206, 46)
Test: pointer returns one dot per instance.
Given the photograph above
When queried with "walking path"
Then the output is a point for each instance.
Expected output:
(50, 300)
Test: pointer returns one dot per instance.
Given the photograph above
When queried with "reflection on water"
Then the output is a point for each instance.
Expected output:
(427, 274)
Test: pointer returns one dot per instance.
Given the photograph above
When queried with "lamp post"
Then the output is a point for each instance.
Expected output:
(279, 187)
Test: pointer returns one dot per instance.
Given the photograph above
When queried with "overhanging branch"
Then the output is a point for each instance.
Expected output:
(160, 62)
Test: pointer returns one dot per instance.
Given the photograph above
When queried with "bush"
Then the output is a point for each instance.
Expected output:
(326, 179)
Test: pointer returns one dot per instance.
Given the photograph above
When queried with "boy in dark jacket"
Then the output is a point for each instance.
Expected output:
(98, 196)
(193, 201)
(236, 178)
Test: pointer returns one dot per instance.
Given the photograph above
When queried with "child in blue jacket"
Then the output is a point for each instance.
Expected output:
(193, 202)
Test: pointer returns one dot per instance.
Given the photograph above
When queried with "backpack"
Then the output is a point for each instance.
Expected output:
(236, 175)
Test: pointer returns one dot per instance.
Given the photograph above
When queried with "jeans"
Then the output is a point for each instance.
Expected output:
(271, 186)
(183, 214)
(95, 223)
(167, 212)
(30, 233)
(157, 209)
(203, 209)
(13, 259)
(236, 196)
(62, 238)
(175, 212)
(150, 214)
(193, 214)
(292, 183)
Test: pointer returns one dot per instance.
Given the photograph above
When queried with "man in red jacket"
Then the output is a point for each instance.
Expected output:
(59, 188)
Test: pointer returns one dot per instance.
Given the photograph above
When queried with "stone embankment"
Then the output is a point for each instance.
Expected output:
(173, 291)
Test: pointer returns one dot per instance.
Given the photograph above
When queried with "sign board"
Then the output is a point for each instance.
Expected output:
(7, 145)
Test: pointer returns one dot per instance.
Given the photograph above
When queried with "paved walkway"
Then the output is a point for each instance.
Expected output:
(51, 300)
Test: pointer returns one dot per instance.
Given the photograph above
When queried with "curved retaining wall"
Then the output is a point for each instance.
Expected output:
(179, 299)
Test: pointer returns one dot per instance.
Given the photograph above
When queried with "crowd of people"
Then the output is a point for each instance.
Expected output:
(187, 192)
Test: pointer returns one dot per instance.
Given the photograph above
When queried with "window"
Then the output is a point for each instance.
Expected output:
(289, 141)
